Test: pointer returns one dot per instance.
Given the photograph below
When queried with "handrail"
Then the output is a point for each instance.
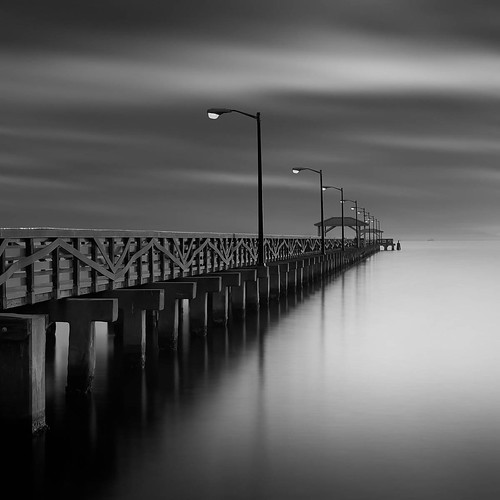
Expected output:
(39, 264)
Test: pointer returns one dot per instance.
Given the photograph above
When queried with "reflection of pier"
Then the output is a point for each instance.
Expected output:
(138, 282)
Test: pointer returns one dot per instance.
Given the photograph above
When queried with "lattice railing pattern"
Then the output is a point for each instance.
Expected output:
(44, 264)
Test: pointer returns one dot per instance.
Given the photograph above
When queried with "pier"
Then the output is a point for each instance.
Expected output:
(136, 281)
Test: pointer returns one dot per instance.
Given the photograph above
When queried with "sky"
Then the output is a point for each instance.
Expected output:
(103, 119)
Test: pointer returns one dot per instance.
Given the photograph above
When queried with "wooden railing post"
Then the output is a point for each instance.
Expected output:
(56, 287)
(76, 268)
(111, 253)
(3, 268)
(93, 273)
(30, 274)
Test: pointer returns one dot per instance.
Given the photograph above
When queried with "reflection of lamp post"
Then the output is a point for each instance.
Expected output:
(213, 114)
(321, 189)
(356, 212)
(342, 203)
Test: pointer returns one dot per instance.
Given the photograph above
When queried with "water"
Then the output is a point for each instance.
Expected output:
(383, 384)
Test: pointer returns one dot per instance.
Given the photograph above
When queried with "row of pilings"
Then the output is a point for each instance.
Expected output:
(142, 316)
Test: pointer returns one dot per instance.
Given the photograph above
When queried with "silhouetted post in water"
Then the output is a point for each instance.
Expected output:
(213, 114)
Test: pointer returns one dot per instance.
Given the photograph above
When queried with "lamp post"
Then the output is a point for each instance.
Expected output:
(356, 212)
(368, 219)
(342, 203)
(213, 114)
(364, 220)
(370, 232)
(321, 189)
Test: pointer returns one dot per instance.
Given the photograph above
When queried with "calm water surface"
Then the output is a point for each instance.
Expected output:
(382, 384)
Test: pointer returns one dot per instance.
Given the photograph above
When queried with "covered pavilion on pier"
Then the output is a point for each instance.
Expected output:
(361, 228)
(333, 222)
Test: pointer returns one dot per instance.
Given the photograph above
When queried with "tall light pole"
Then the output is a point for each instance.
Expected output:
(356, 212)
(321, 189)
(364, 221)
(368, 219)
(371, 218)
(342, 203)
(213, 114)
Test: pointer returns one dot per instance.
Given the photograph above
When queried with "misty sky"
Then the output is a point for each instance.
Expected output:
(103, 114)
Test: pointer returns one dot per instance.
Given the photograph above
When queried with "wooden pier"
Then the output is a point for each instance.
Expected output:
(135, 280)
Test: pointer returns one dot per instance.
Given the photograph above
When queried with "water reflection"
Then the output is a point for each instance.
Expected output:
(383, 383)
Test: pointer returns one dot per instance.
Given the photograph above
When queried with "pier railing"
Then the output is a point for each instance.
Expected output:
(39, 264)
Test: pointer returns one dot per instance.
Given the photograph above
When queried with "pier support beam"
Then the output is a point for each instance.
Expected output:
(198, 306)
(22, 372)
(219, 301)
(263, 284)
(81, 314)
(168, 317)
(294, 267)
(278, 275)
(133, 303)
(240, 299)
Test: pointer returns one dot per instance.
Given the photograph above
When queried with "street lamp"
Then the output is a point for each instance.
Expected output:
(213, 114)
(371, 219)
(342, 203)
(321, 189)
(356, 212)
(364, 220)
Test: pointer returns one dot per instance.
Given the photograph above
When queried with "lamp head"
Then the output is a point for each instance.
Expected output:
(214, 113)
(296, 170)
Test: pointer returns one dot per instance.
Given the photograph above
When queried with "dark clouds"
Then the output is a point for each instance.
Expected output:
(103, 124)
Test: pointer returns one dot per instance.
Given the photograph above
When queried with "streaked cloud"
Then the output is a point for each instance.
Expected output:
(397, 101)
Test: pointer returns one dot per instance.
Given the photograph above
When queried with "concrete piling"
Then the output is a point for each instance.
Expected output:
(218, 303)
(198, 306)
(134, 303)
(81, 314)
(167, 319)
(22, 372)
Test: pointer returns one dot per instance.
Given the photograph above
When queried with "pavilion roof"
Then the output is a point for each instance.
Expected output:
(337, 221)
